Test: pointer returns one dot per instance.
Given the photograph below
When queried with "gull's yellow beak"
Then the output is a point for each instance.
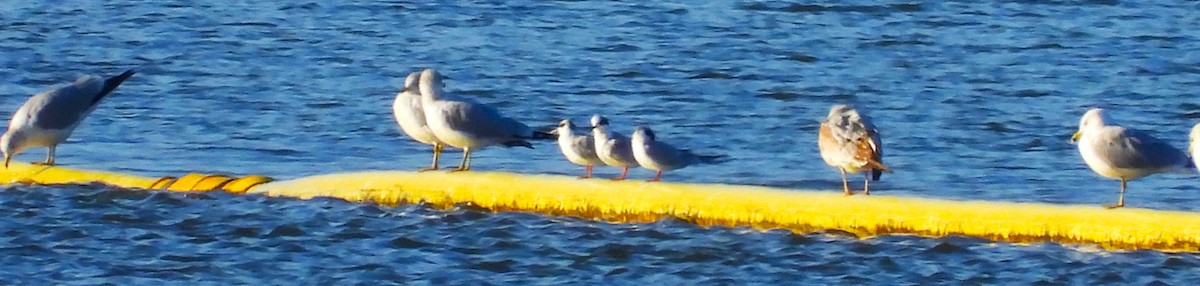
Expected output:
(1076, 136)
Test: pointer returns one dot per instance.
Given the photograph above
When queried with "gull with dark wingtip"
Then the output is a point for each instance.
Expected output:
(469, 125)
(49, 117)
(662, 157)
(1124, 154)
(849, 142)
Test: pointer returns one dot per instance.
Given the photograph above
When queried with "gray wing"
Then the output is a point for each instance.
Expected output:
(617, 136)
(1133, 149)
(64, 106)
(586, 145)
(668, 156)
(623, 149)
(483, 121)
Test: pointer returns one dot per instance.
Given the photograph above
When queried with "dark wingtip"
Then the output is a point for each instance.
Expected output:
(876, 174)
(712, 159)
(117, 80)
(518, 143)
(543, 135)
(112, 83)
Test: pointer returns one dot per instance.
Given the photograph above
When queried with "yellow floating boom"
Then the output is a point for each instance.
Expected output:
(707, 204)
(47, 175)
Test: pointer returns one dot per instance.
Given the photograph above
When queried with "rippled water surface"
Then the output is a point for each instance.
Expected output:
(974, 100)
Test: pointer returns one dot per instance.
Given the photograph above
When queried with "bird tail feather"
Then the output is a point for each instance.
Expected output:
(711, 159)
(1187, 168)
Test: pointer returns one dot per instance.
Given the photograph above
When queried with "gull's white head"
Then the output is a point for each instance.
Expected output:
(564, 128)
(431, 83)
(598, 121)
(643, 133)
(410, 82)
(1093, 119)
(11, 144)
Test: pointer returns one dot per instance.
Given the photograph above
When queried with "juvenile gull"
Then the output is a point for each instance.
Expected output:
(849, 142)
(411, 117)
(466, 124)
(49, 117)
(1124, 154)
(661, 157)
(579, 149)
(612, 148)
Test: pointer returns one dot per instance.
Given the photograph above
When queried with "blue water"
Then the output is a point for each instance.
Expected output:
(974, 100)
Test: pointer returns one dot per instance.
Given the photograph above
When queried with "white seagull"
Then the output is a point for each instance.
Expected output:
(469, 125)
(411, 117)
(849, 142)
(1193, 149)
(49, 117)
(1124, 154)
(612, 148)
(661, 157)
(579, 149)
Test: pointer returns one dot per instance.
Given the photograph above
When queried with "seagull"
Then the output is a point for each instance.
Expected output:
(411, 117)
(612, 148)
(49, 117)
(579, 149)
(660, 157)
(849, 142)
(1124, 154)
(466, 124)
(1193, 150)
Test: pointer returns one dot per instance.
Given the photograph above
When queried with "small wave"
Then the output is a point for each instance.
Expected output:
(818, 8)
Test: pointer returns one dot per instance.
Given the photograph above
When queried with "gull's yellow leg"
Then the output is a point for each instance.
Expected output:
(437, 153)
(1121, 198)
(466, 161)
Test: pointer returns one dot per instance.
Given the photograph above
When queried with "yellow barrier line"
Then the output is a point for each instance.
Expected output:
(19, 172)
(761, 207)
(48, 175)
(703, 204)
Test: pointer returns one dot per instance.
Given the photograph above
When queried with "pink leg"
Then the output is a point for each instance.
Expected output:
(657, 177)
(845, 184)
(624, 171)
(587, 172)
